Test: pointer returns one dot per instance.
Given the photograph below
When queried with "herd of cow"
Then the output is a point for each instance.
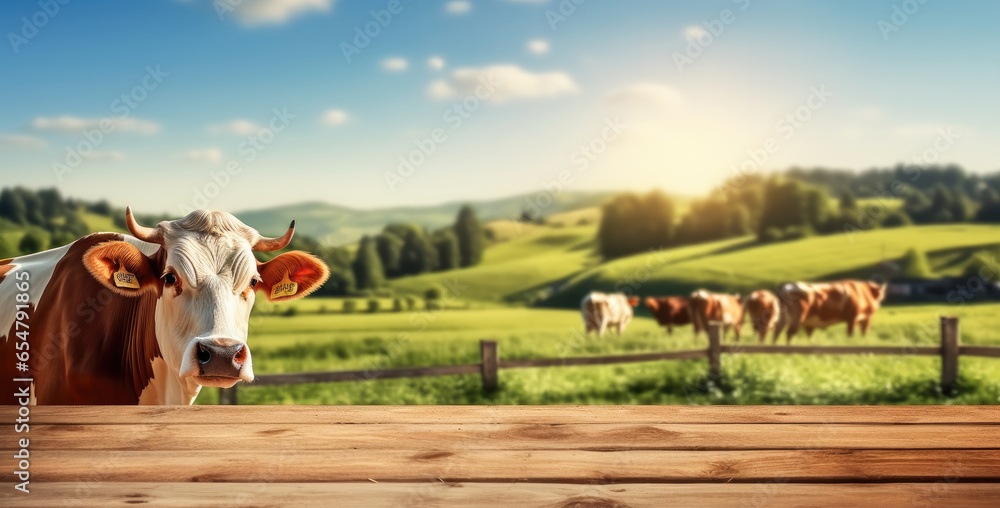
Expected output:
(793, 306)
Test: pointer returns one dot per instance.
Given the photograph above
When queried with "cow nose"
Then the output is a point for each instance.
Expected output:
(217, 359)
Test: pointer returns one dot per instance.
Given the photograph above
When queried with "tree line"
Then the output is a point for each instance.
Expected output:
(400, 250)
(799, 203)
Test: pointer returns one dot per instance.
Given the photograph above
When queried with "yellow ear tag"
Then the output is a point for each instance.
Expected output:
(125, 279)
(284, 288)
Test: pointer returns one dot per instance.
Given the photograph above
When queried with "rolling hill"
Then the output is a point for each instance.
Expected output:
(338, 225)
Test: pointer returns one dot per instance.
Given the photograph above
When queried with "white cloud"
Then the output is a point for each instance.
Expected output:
(73, 124)
(457, 7)
(509, 82)
(18, 141)
(695, 32)
(436, 63)
(111, 155)
(538, 46)
(334, 118)
(204, 155)
(395, 64)
(272, 12)
(235, 127)
(644, 94)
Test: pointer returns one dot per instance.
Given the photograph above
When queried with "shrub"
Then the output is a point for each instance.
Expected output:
(435, 305)
(895, 219)
(411, 303)
(291, 311)
(770, 235)
(350, 306)
(373, 305)
(796, 233)
(397, 305)
(322, 309)
(434, 293)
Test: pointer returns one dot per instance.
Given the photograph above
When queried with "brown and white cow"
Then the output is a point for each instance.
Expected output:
(603, 310)
(765, 313)
(669, 311)
(813, 306)
(707, 307)
(145, 319)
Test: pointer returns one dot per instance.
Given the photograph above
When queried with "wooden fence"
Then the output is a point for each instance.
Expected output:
(949, 351)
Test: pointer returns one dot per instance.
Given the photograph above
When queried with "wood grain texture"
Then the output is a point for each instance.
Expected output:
(228, 415)
(480, 436)
(490, 495)
(562, 466)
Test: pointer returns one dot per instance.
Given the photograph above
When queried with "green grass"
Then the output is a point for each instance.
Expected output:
(376, 341)
(515, 270)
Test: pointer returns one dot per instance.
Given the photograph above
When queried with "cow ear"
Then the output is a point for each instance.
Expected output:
(121, 267)
(291, 276)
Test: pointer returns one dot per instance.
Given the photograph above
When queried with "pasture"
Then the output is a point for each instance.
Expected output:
(317, 342)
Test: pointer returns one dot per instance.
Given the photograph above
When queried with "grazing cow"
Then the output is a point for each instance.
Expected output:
(669, 311)
(143, 319)
(707, 307)
(603, 310)
(813, 306)
(765, 312)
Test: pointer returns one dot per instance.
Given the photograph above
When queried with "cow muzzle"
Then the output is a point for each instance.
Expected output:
(222, 362)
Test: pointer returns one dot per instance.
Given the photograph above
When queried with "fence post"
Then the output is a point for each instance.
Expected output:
(227, 396)
(488, 352)
(949, 354)
(714, 349)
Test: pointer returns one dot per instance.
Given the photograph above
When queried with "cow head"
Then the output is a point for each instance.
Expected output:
(205, 279)
(651, 303)
(633, 301)
(878, 291)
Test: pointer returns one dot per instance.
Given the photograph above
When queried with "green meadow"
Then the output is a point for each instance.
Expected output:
(550, 267)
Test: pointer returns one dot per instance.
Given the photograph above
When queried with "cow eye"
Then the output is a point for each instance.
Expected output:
(169, 279)
(253, 282)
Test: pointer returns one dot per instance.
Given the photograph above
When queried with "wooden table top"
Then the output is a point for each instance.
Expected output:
(558, 456)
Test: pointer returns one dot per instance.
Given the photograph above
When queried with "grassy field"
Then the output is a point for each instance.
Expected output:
(559, 264)
(744, 265)
(318, 342)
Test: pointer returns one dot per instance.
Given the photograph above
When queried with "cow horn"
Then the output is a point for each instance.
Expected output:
(269, 244)
(151, 235)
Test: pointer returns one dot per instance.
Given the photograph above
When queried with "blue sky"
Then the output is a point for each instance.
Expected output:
(626, 94)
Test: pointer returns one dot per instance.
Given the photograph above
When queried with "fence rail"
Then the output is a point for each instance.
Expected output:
(950, 350)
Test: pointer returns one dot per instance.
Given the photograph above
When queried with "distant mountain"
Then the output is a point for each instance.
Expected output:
(337, 225)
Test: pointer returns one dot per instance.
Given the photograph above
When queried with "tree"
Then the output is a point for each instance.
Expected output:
(989, 206)
(368, 273)
(12, 206)
(448, 253)
(659, 219)
(390, 249)
(914, 265)
(848, 201)
(471, 240)
(32, 242)
(418, 254)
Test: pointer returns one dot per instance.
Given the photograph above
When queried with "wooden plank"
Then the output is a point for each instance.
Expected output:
(832, 350)
(492, 495)
(458, 436)
(988, 351)
(363, 375)
(231, 415)
(563, 466)
(602, 360)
